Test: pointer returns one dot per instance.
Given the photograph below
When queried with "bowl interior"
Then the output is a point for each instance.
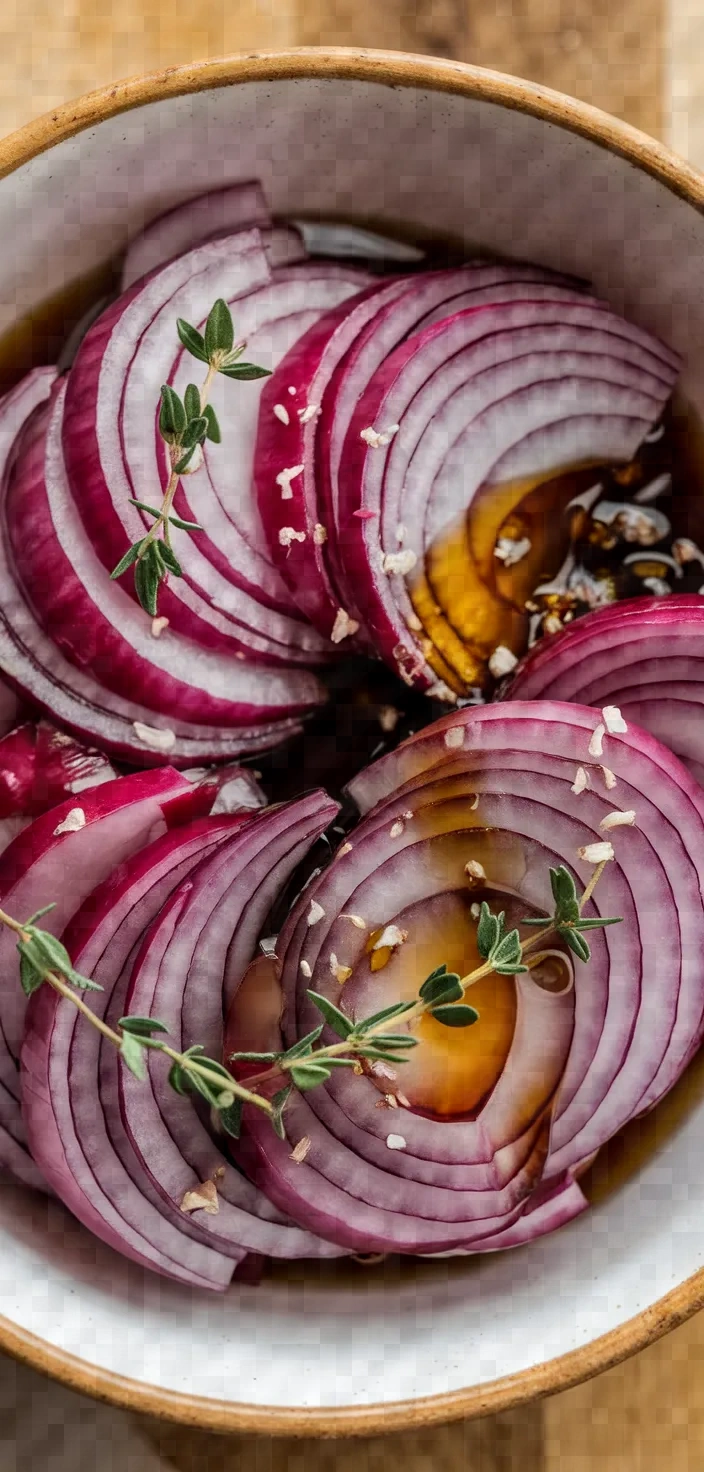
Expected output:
(420, 161)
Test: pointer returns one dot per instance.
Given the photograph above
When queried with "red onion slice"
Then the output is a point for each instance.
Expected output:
(469, 1182)
(192, 221)
(40, 766)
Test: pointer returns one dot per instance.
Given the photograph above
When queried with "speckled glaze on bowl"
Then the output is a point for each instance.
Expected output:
(417, 145)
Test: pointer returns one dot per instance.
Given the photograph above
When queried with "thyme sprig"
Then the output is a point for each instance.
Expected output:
(45, 960)
(184, 425)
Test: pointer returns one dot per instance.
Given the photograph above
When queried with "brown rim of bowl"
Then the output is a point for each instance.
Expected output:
(391, 69)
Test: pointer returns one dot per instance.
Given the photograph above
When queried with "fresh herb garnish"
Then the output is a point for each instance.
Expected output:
(184, 425)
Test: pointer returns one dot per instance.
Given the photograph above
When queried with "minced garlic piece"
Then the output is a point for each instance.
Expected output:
(345, 848)
(391, 1101)
(284, 479)
(581, 780)
(315, 913)
(376, 438)
(596, 853)
(596, 743)
(618, 819)
(343, 627)
(300, 1150)
(282, 413)
(158, 626)
(510, 551)
(454, 737)
(305, 970)
(202, 1198)
(390, 937)
(288, 534)
(399, 562)
(73, 822)
(402, 1100)
(355, 920)
(341, 973)
(613, 720)
(474, 870)
(609, 778)
(395, 1142)
(319, 534)
(310, 411)
(502, 662)
(156, 740)
(396, 828)
(389, 717)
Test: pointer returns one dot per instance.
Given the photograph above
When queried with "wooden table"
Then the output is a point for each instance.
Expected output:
(646, 1415)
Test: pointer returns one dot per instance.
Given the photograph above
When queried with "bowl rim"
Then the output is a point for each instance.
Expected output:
(391, 69)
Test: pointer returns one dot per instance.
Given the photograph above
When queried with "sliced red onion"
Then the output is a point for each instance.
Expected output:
(59, 859)
(331, 367)
(98, 625)
(193, 221)
(40, 766)
(203, 937)
(645, 656)
(495, 785)
(487, 396)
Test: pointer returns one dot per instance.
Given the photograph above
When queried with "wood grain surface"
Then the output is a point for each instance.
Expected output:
(646, 1415)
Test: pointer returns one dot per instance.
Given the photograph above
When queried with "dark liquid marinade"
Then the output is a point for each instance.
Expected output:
(367, 699)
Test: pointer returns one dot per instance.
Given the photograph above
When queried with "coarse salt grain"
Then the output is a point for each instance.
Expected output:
(305, 970)
(284, 479)
(282, 413)
(596, 853)
(395, 1142)
(474, 870)
(618, 819)
(156, 740)
(158, 626)
(315, 913)
(73, 822)
(454, 737)
(202, 1198)
(502, 662)
(581, 780)
(390, 937)
(344, 626)
(288, 534)
(300, 1150)
(310, 411)
(320, 534)
(596, 742)
(609, 778)
(396, 828)
(399, 562)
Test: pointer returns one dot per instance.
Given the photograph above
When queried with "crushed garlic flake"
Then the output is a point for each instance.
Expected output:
(510, 551)
(502, 662)
(613, 720)
(355, 920)
(282, 413)
(288, 534)
(340, 972)
(292, 391)
(390, 937)
(618, 819)
(300, 1150)
(202, 1198)
(596, 742)
(396, 828)
(343, 627)
(284, 479)
(320, 534)
(310, 411)
(345, 848)
(402, 1100)
(454, 737)
(596, 853)
(156, 740)
(399, 562)
(609, 778)
(474, 870)
(73, 822)
(395, 1142)
(306, 970)
(581, 780)
(400, 532)
(475, 910)
(474, 805)
(377, 438)
(315, 913)
(158, 626)
(391, 1101)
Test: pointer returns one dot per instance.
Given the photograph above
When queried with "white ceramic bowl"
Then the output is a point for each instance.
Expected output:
(422, 146)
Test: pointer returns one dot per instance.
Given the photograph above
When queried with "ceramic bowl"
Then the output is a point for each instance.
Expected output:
(416, 146)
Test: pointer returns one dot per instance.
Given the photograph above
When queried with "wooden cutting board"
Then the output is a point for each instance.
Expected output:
(647, 1415)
